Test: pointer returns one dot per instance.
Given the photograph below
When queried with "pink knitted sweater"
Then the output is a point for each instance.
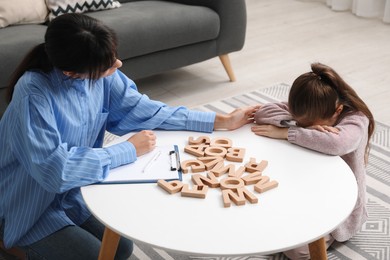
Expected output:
(349, 144)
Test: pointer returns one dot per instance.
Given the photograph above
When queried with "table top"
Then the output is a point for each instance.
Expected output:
(316, 193)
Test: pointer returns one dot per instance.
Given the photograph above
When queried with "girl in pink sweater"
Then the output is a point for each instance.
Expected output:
(324, 114)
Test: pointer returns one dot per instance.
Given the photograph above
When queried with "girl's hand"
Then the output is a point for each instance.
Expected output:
(236, 119)
(271, 131)
(144, 141)
(325, 128)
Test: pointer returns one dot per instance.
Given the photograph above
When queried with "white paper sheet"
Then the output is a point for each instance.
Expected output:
(156, 169)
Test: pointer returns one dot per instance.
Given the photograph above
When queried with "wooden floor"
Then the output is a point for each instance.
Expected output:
(283, 38)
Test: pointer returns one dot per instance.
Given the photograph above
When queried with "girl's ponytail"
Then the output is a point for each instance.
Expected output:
(347, 95)
(330, 78)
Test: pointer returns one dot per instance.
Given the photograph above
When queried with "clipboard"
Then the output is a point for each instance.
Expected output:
(161, 163)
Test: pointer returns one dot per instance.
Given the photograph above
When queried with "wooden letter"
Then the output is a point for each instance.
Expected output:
(253, 166)
(196, 192)
(231, 183)
(235, 154)
(217, 166)
(197, 150)
(264, 184)
(199, 140)
(201, 180)
(238, 198)
(210, 162)
(231, 168)
(215, 151)
(252, 178)
(238, 173)
(196, 166)
(221, 142)
(170, 187)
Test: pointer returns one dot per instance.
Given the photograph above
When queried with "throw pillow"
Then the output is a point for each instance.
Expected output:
(22, 12)
(59, 7)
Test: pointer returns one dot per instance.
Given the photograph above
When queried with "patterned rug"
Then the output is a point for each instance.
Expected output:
(371, 242)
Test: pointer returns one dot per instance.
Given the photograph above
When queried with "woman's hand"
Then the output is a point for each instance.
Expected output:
(271, 131)
(235, 119)
(144, 141)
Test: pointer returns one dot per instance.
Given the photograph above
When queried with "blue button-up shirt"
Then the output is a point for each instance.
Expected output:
(51, 140)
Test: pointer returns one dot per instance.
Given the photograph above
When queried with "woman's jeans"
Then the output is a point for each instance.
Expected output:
(75, 242)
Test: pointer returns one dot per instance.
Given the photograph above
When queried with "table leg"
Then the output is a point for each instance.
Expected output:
(318, 250)
(109, 245)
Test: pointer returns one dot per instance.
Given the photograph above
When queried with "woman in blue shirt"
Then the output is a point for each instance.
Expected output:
(63, 97)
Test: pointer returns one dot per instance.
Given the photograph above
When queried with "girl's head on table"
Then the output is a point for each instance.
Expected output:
(322, 97)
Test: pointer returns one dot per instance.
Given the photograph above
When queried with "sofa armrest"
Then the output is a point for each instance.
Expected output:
(233, 19)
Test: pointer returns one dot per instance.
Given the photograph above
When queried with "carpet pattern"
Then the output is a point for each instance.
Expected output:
(373, 239)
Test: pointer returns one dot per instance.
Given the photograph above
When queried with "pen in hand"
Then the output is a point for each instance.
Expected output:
(150, 163)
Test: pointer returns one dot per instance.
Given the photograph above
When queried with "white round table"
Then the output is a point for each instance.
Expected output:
(316, 193)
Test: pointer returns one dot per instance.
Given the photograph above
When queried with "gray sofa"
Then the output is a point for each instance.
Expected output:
(154, 36)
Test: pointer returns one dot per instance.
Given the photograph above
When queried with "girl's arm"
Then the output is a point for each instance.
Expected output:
(276, 114)
(352, 130)
(272, 120)
(338, 140)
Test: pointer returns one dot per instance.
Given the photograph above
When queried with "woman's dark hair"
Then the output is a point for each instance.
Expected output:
(314, 95)
(75, 43)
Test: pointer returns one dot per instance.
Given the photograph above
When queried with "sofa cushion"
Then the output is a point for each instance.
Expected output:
(22, 12)
(150, 26)
(16, 42)
(58, 7)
